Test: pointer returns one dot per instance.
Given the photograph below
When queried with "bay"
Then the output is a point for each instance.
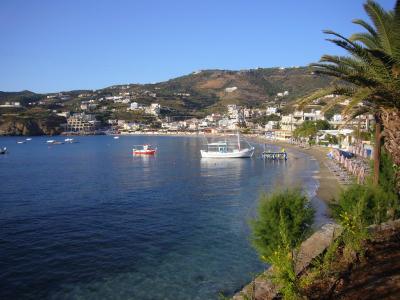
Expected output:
(91, 221)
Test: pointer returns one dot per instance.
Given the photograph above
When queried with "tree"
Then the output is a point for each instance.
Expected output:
(263, 120)
(287, 208)
(369, 77)
(309, 129)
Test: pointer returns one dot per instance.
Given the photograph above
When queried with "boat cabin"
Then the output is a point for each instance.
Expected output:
(221, 147)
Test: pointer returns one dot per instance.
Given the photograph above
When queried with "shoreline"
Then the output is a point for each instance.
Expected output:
(329, 187)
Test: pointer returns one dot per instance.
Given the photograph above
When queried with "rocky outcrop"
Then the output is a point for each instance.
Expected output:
(30, 126)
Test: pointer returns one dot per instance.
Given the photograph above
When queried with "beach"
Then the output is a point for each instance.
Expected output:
(329, 187)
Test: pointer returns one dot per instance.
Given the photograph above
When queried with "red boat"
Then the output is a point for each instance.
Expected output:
(144, 149)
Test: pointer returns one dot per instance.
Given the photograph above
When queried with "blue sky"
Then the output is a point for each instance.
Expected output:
(53, 45)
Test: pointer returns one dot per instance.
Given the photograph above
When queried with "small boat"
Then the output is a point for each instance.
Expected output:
(29, 139)
(54, 142)
(143, 149)
(21, 142)
(3, 150)
(224, 149)
(116, 137)
(70, 141)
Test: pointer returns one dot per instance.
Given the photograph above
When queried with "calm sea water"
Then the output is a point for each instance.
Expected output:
(90, 221)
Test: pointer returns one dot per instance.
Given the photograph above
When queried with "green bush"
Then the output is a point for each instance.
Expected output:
(375, 203)
(290, 208)
(387, 172)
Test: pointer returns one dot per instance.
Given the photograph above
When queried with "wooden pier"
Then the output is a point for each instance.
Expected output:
(275, 155)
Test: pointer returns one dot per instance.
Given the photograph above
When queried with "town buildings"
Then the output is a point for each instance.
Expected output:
(82, 123)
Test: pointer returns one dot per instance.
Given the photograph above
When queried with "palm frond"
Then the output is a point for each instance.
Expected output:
(382, 22)
(367, 26)
(367, 39)
(316, 95)
(332, 102)
(358, 97)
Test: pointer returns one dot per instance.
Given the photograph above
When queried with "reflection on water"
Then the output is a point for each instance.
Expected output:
(217, 167)
(144, 166)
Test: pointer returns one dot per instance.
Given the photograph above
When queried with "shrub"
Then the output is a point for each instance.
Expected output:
(374, 204)
(283, 265)
(388, 172)
(290, 208)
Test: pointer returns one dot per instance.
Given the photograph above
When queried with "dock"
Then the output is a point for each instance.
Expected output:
(275, 155)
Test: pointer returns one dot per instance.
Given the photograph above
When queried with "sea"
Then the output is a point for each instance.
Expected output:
(89, 220)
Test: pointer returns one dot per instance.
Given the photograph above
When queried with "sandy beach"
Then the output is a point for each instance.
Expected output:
(329, 187)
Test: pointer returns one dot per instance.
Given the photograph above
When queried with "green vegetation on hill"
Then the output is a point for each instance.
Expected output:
(23, 97)
(207, 88)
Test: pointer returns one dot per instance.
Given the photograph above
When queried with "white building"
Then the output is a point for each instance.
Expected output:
(272, 110)
(64, 114)
(113, 98)
(131, 126)
(283, 94)
(337, 118)
(231, 89)
(235, 113)
(292, 121)
(133, 106)
(11, 104)
(153, 109)
(82, 123)
(112, 122)
(271, 125)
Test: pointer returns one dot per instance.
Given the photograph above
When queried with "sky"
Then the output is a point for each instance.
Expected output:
(54, 45)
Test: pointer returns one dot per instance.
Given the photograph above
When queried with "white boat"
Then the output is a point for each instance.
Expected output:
(70, 141)
(224, 149)
(116, 137)
(21, 142)
(3, 150)
(29, 139)
(54, 142)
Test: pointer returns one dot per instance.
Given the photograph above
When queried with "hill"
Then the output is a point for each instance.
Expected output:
(205, 91)
(24, 97)
(211, 90)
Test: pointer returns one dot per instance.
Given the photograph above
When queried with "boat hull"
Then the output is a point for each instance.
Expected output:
(245, 153)
(144, 152)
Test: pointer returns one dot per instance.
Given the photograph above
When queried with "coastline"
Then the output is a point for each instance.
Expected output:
(329, 187)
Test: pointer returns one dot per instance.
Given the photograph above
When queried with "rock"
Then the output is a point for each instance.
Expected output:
(30, 126)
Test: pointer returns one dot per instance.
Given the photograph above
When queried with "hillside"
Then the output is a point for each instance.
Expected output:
(205, 91)
(210, 90)
(254, 87)
(24, 97)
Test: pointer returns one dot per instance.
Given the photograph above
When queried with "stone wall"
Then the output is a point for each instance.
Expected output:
(316, 244)
(263, 289)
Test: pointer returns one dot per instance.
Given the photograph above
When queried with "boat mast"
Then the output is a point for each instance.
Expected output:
(238, 140)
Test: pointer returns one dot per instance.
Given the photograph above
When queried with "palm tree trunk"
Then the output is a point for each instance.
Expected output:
(377, 149)
(391, 124)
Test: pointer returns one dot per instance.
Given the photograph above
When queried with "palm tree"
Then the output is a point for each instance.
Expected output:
(369, 77)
